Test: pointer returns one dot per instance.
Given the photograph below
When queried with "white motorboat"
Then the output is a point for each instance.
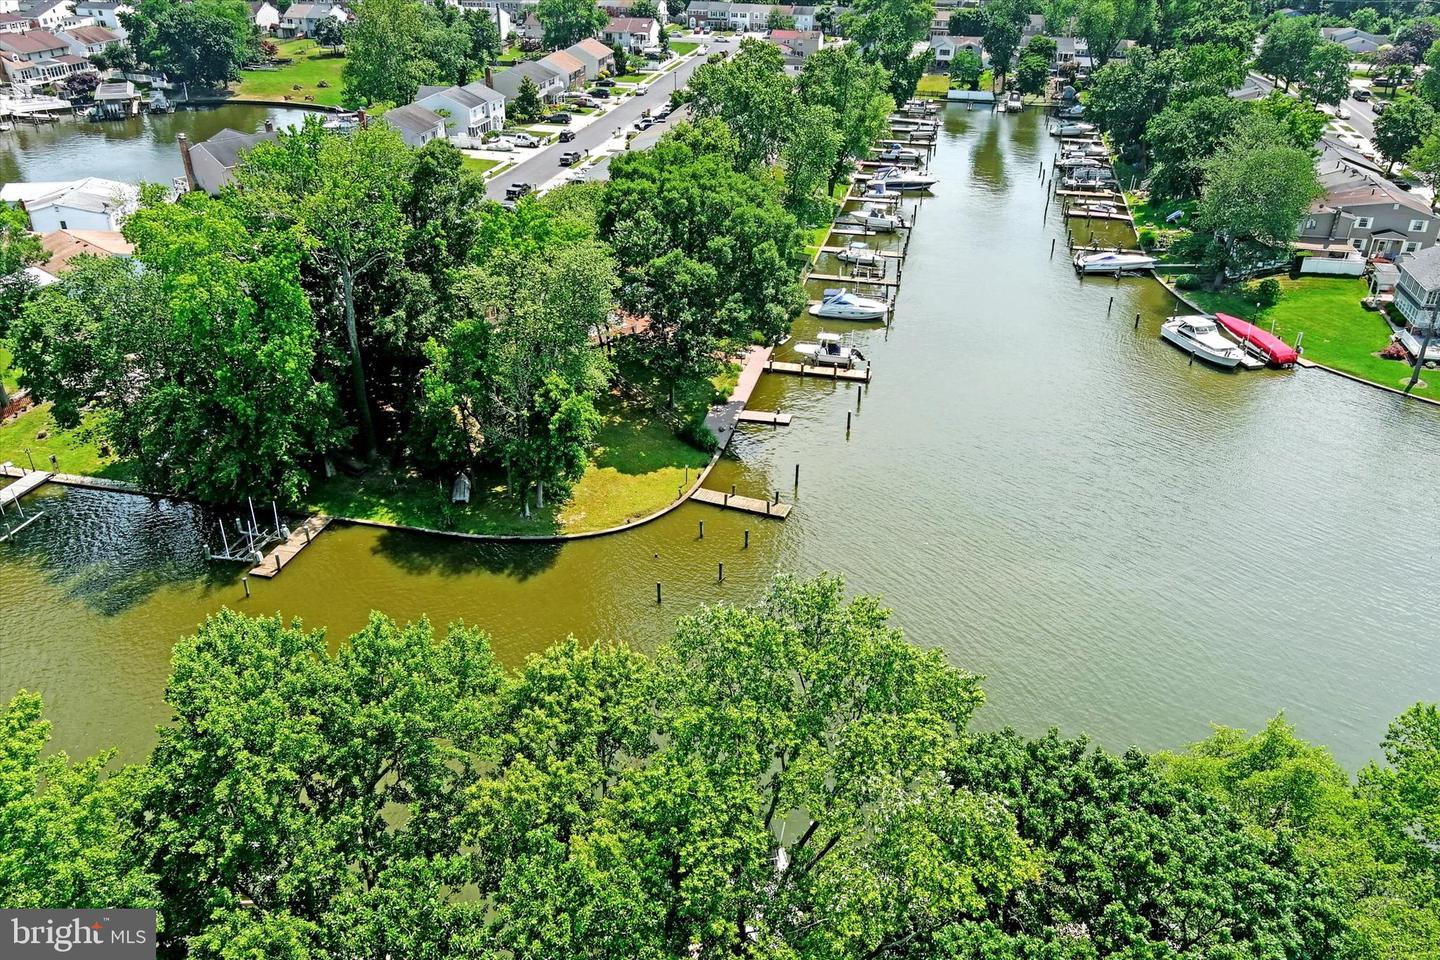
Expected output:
(829, 351)
(876, 218)
(1073, 163)
(839, 304)
(1072, 129)
(1199, 335)
(1078, 180)
(906, 181)
(1094, 207)
(877, 190)
(858, 253)
(1111, 261)
(900, 155)
(1014, 103)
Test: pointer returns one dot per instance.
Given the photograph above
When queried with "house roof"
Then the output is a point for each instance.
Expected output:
(13, 18)
(630, 25)
(115, 90)
(563, 62)
(227, 145)
(591, 46)
(259, 5)
(89, 35)
(413, 119)
(1351, 180)
(44, 6)
(458, 94)
(1423, 267)
(102, 5)
(62, 246)
(95, 194)
(31, 41)
(793, 34)
(536, 70)
(309, 11)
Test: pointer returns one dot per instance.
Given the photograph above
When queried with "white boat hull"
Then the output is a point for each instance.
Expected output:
(1226, 361)
(827, 312)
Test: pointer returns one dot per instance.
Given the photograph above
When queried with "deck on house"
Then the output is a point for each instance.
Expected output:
(300, 538)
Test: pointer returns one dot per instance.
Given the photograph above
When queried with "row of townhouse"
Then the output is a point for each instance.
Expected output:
(56, 15)
(728, 15)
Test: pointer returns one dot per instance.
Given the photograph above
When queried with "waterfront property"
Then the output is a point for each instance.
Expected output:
(417, 125)
(471, 111)
(1363, 211)
(210, 165)
(92, 203)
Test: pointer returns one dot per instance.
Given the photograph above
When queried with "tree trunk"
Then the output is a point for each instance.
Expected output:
(1420, 357)
(540, 495)
(357, 366)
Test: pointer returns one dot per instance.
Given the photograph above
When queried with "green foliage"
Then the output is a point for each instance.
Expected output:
(887, 30)
(1104, 24)
(1183, 137)
(1287, 48)
(854, 90)
(965, 69)
(1301, 125)
(568, 22)
(204, 42)
(1266, 292)
(527, 105)
(1327, 76)
(330, 33)
(394, 46)
(1188, 281)
(779, 20)
(19, 248)
(1001, 37)
(1424, 159)
(1402, 128)
(752, 95)
(1031, 73)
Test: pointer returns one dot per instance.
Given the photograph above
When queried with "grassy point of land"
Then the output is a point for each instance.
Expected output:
(1339, 333)
(311, 64)
(75, 451)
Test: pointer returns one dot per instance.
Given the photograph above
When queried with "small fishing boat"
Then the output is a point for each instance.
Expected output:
(840, 304)
(1111, 261)
(1262, 343)
(1074, 129)
(1198, 335)
(830, 350)
(877, 219)
(1014, 104)
(1095, 208)
(858, 253)
(903, 156)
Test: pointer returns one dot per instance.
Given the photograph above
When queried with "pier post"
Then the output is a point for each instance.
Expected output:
(797, 476)
(720, 573)
(1111, 307)
(657, 591)
(1137, 322)
(245, 581)
(777, 496)
(31, 459)
(702, 529)
(1052, 248)
(847, 421)
(747, 539)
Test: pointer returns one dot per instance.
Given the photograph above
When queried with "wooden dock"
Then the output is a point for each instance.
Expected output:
(765, 417)
(1090, 215)
(855, 375)
(837, 278)
(1110, 195)
(300, 538)
(763, 508)
(884, 253)
(30, 481)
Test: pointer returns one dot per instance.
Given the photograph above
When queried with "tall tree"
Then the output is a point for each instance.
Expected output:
(888, 30)
(752, 95)
(1183, 137)
(1402, 128)
(966, 68)
(19, 248)
(1286, 49)
(385, 57)
(568, 22)
(855, 92)
(1327, 78)
(1002, 35)
(330, 32)
(204, 42)
(1424, 159)
(527, 105)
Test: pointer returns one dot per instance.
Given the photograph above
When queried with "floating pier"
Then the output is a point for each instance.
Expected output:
(300, 538)
(854, 374)
(763, 508)
(884, 253)
(837, 278)
(30, 481)
(765, 417)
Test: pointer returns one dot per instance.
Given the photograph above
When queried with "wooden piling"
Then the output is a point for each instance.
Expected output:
(747, 539)
(720, 573)
(702, 529)
(245, 581)
(657, 591)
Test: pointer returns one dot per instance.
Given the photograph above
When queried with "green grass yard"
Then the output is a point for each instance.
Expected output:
(933, 85)
(682, 47)
(75, 451)
(311, 64)
(478, 164)
(1338, 331)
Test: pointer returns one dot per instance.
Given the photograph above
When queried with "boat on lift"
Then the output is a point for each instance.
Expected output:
(1075, 163)
(1095, 208)
(1072, 129)
(861, 255)
(841, 304)
(1111, 261)
(830, 350)
(905, 181)
(1199, 335)
(877, 219)
(1262, 343)
(897, 154)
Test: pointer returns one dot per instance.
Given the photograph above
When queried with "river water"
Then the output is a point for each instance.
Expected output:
(1123, 544)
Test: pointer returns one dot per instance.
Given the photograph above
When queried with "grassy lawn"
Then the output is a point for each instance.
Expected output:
(477, 164)
(1338, 331)
(933, 85)
(630, 79)
(1152, 214)
(636, 468)
(682, 47)
(311, 64)
(75, 451)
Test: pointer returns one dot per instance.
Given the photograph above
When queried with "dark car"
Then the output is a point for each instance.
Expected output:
(517, 190)
(567, 135)
(607, 82)
(600, 93)
(571, 157)
(561, 117)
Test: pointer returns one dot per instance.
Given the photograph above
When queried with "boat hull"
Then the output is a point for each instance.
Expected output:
(847, 313)
(1228, 361)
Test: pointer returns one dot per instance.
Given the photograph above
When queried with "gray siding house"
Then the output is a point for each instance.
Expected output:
(1363, 211)
(550, 83)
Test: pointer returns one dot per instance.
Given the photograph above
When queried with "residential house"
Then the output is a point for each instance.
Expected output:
(1034, 27)
(32, 45)
(571, 69)
(13, 23)
(417, 125)
(1354, 40)
(504, 22)
(1363, 211)
(470, 111)
(531, 28)
(1072, 50)
(26, 75)
(798, 43)
(301, 19)
(596, 57)
(516, 10)
(632, 33)
(9, 6)
(63, 246)
(549, 83)
(51, 14)
(88, 41)
(103, 13)
(91, 203)
(210, 165)
(1417, 295)
(623, 8)
(265, 15)
(728, 15)
(945, 49)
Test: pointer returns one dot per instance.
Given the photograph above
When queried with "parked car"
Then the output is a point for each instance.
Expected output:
(607, 82)
(1379, 107)
(571, 157)
(521, 139)
(601, 93)
(578, 175)
(1363, 95)
(503, 144)
(560, 117)
(567, 135)
(517, 190)
(643, 124)
(1342, 113)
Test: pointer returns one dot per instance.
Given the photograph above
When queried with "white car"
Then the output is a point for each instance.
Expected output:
(1342, 113)
(579, 175)
(503, 145)
(522, 139)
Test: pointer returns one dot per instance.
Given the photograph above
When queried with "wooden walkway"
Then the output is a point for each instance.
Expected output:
(884, 253)
(300, 538)
(766, 417)
(857, 375)
(1091, 194)
(763, 508)
(1091, 215)
(18, 489)
(836, 278)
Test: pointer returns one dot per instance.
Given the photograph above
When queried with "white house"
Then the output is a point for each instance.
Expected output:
(502, 17)
(51, 14)
(469, 111)
(89, 204)
(549, 83)
(103, 13)
(1355, 40)
(596, 57)
(945, 49)
(33, 45)
(300, 19)
(417, 125)
(9, 6)
(25, 75)
(88, 41)
(632, 33)
(265, 15)
(13, 23)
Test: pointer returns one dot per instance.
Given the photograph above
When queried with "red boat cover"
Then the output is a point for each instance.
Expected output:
(1279, 352)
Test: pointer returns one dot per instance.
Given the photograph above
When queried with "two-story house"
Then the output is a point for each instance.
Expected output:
(32, 45)
(13, 23)
(1363, 211)
(88, 41)
(91, 203)
(1355, 40)
(570, 69)
(417, 125)
(51, 14)
(1417, 298)
(624, 8)
(742, 17)
(103, 13)
(301, 19)
(632, 33)
(596, 56)
(945, 49)
(547, 81)
(470, 111)
(265, 15)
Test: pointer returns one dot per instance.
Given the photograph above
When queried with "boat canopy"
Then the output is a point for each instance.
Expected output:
(828, 337)
(1278, 351)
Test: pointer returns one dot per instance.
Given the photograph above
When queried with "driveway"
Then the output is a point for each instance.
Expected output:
(543, 165)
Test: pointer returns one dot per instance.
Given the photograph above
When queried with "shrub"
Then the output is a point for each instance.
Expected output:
(323, 84)
(1188, 281)
(1266, 292)
(1147, 238)
(699, 436)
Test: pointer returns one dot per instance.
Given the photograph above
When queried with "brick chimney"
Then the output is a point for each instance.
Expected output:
(185, 160)
(489, 77)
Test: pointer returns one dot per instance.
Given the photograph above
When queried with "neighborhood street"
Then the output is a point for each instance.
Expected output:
(544, 164)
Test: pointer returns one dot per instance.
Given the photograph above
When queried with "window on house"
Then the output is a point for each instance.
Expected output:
(1358, 244)
(1418, 226)
(1363, 223)
(1411, 247)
